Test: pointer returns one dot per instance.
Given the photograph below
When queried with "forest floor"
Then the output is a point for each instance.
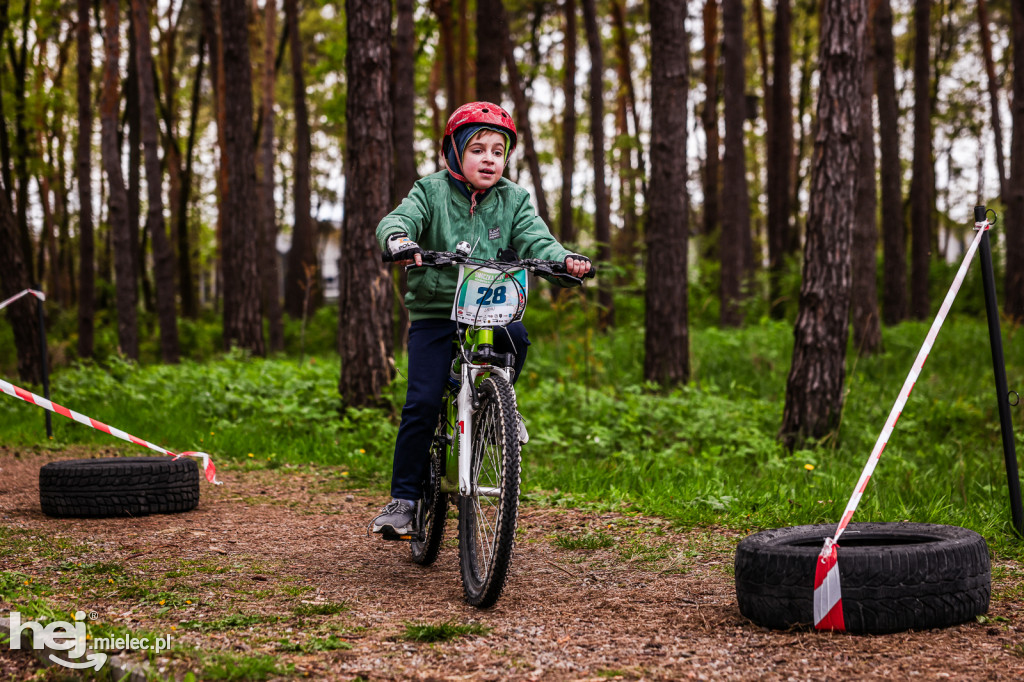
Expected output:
(273, 576)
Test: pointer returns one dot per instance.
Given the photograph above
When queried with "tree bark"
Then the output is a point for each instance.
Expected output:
(117, 206)
(186, 277)
(780, 156)
(83, 173)
(735, 232)
(22, 314)
(602, 220)
(814, 390)
(566, 230)
(268, 212)
(301, 287)
(131, 118)
(19, 63)
(364, 315)
(567, 227)
(627, 239)
(522, 112)
(894, 232)
(443, 10)
(667, 341)
(709, 121)
(242, 323)
(867, 332)
(489, 36)
(211, 27)
(163, 254)
(922, 184)
(403, 97)
(1014, 291)
(993, 96)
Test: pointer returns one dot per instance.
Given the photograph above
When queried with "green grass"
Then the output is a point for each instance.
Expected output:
(597, 540)
(702, 454)
(443, 632)
(314, 645)
(325, 609)
(230, 667)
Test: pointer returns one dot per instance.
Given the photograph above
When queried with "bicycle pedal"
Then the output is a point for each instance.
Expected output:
(390, 535)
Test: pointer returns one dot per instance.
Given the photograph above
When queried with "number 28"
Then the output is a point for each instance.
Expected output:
(490, 296)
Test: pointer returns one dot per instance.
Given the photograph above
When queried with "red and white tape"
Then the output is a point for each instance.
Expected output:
(826, 577)
(208, 468)
(38, 294)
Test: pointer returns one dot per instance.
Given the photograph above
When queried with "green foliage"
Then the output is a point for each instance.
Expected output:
(443, 632)
(703, 453)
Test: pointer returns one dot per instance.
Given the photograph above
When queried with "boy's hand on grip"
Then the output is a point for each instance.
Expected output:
(402, 250)
(577, 265)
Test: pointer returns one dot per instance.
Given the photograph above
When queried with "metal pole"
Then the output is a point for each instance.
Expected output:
(42, 352)
(999, 367)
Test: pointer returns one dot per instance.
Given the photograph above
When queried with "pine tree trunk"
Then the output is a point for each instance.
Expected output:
(602, 220)
(117, 207)
(403, 97)
(242, 323)
(268, 211)
(780, 156)
(303, 275)
(186, 278)
(364, 315)
(522, 114)
(667, 344)
(735, 198)
(1014, 291)
(993, 96)
(867, 332)
(709, 121)
(212, 30)
(163, 254)
(814, 390)
(627, 241)
(131, 115)
(443, 10)
(22, 314)
(922, 184)
(894, 230)
(489, 55)
(83, 174)
(567, 228)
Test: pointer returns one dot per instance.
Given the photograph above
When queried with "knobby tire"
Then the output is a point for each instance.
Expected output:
(487, 525)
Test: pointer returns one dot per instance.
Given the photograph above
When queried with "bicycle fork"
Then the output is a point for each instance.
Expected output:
(464, 429)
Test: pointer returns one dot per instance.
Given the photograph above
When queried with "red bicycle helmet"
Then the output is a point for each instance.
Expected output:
(480, 113)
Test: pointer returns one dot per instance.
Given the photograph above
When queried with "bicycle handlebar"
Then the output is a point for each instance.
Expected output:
(551, 268)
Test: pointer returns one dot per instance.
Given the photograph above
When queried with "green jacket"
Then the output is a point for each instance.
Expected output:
(436, 216)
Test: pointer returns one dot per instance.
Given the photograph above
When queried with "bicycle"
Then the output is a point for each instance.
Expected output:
(475, 452)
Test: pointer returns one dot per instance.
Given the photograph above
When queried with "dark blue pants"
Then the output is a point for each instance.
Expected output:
(430, 359)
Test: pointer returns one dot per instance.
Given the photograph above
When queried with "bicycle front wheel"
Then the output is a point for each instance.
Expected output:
(488, 515)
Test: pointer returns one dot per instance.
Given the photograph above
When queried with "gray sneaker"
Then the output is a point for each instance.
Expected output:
(398, 517)
(524, 437)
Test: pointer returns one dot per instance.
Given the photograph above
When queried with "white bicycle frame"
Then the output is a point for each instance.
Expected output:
(464, 427)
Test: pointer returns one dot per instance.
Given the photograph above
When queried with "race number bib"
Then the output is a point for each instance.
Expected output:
(485, 296)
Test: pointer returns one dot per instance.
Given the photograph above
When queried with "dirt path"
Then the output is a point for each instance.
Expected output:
(275, 561)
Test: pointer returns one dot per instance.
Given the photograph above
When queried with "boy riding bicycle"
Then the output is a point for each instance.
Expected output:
(470, 201)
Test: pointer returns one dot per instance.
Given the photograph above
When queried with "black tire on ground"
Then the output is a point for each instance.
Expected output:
(118, 486)
(893, 576)
(487, 523)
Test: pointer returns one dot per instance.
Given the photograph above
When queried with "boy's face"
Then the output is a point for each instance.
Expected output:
(484, 159)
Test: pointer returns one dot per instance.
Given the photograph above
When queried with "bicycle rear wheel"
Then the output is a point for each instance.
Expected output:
(434, 504)
(487, 516)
